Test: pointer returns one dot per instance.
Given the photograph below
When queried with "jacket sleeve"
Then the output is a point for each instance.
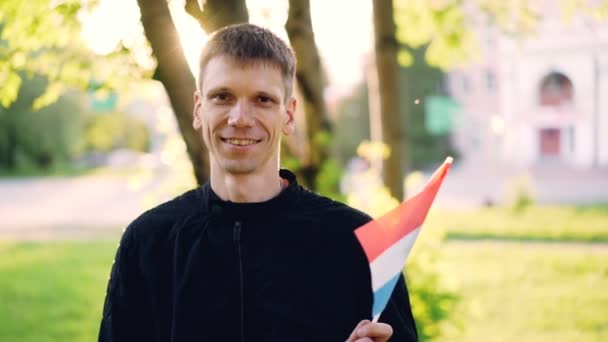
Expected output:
(398, 314)
(125, 316)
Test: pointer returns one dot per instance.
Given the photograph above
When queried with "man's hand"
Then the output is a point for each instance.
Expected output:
(367, 331)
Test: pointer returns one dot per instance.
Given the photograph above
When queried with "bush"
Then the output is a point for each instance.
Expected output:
(520, 193)
(431, 300)
(111, 131)
(40, 139)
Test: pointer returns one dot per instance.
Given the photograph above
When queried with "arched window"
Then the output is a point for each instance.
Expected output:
(556, 90)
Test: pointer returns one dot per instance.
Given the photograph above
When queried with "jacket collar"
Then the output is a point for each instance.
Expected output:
(279, 204)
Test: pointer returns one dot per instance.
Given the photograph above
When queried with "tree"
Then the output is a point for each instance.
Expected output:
(173, 72)
(35, 44)
(46, 42)
(44, 68)
(216, 14)
(172, 68)
(445, 26)
(388, 92)
(310, 82)
(41, 139)
(19, 39)
(353, 114)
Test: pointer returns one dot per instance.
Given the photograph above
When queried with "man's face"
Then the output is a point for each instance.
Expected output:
(242, 112)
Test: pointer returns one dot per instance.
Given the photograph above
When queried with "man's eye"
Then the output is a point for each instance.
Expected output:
(221, 97)
(264, 99)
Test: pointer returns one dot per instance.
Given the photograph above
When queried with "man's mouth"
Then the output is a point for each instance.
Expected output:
(240, 142)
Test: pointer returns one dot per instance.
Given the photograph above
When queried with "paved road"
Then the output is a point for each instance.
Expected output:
(474, 183)
(102, 205)
(58, 207)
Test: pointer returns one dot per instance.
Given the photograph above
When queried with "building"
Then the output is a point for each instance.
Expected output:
(543, 100)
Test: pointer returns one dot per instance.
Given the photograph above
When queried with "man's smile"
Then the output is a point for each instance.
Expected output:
(240, 141)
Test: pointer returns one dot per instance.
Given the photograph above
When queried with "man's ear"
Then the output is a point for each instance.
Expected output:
(290, 109)
(196, 120)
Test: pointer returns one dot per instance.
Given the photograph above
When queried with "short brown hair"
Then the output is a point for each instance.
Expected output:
(247, 44)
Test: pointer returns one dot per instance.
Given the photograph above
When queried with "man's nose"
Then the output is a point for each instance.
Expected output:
(240, 115)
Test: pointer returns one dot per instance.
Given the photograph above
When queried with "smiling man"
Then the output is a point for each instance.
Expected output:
(251, 255)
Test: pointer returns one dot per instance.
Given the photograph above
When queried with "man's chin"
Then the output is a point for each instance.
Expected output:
(238, 168)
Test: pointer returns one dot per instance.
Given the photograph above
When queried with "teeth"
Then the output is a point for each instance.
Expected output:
(241, 142)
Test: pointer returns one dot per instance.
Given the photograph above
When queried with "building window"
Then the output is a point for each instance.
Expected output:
(490, 81)
(556, 90)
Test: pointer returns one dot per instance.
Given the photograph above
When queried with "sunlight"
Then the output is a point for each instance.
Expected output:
(271, 14)
(109, 23)
(191, 35)
(103, 36)
(344, 33)
(343, 45)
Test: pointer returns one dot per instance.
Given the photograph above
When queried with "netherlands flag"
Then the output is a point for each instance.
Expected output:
(388, 240)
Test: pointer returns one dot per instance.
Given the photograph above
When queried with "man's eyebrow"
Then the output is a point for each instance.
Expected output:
(267, 93)
(217, 90)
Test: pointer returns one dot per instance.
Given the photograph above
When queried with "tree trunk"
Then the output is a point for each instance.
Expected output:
(386, 48)
(175, 75)
(216, 14)
(310, 83)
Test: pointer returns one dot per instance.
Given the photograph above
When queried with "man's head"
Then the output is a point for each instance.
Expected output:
(248, 44)
(244, 101)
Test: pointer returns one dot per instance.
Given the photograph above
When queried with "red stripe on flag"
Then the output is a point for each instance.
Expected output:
(378, 235)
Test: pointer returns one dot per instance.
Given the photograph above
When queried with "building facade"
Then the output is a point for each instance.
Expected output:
(542, 100)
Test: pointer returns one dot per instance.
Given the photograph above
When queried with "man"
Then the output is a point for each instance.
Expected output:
(250, 256)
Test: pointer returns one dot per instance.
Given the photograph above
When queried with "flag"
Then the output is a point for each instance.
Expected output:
(387, 241)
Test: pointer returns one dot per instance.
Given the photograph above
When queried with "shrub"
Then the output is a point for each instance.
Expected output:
(431, 300)
(40, 139)
(111, 131)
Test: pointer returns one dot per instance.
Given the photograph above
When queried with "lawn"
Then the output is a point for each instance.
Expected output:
(547, 223)
(508, 290)
(513, 291)
(53, 291)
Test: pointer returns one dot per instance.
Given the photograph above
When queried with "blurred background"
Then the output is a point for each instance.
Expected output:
(95, 128)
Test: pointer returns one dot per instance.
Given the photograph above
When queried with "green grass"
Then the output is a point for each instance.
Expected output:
(63, 170)
(53, 291)
(585, 224)
(508, 291)
(527, 292)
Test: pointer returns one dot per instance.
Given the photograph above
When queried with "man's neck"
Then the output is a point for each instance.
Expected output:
(246, 188)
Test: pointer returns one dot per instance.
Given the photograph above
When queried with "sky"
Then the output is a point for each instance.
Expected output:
(343, 32)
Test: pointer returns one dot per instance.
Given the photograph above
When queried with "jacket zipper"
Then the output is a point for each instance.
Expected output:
(237, 240)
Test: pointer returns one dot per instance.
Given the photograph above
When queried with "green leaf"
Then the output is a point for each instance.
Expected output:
(405, 58)
(50, 95)
(11, 83)
(322, 138)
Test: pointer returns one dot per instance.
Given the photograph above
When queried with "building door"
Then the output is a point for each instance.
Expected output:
(549, 142)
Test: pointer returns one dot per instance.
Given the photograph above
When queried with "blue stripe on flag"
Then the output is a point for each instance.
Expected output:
(383, 294)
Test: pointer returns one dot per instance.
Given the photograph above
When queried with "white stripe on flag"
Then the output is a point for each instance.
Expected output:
(391, 261)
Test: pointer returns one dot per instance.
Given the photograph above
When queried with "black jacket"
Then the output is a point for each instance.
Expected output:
(201, 269)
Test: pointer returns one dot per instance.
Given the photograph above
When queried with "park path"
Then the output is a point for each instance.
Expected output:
(83, 207)
(475, 182)
(101, 205)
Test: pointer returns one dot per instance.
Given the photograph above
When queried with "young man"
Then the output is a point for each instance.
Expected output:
(250, 256)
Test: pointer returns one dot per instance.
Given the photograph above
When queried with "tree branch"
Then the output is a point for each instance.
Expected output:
(192, 7)
(216, 14)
